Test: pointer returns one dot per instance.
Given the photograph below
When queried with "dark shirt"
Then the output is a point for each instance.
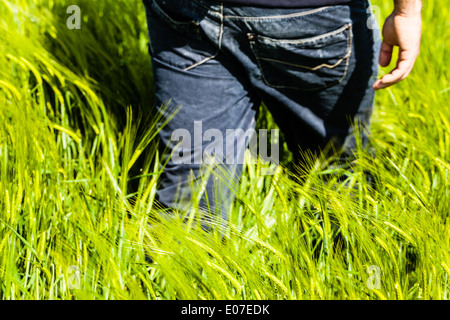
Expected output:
(287, 3)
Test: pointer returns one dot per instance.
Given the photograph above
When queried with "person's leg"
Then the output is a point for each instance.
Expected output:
(202, 94)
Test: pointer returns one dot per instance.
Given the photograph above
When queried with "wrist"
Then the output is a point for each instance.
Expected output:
(408, 8)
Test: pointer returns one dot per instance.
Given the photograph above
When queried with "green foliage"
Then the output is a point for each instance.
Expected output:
(79, 165)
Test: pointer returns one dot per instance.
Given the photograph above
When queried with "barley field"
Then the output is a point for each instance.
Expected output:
(79, 165)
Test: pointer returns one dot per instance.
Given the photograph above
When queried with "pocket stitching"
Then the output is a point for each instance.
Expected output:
(312, 39)
(323, 65)
(161, 14)
(279, 17)
(347, 56)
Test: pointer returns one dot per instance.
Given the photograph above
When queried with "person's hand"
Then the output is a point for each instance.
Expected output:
(404, 31)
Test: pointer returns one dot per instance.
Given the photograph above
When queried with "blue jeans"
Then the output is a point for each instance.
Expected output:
(213, 64)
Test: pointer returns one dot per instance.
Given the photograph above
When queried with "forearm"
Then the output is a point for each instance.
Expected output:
(407, 7)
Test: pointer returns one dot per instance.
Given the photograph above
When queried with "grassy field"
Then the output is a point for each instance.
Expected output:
(79, 167)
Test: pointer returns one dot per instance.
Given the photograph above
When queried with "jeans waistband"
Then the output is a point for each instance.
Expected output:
(236, 12)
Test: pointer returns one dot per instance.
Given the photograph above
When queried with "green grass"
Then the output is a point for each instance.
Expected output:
(79, 166)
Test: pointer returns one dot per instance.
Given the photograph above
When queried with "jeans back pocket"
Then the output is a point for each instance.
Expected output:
(176, 37)
(183, 18)
(304, 64)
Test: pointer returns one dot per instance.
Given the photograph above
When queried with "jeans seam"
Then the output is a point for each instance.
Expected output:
(290, 15)
(312, 39)
(219, 44)
(284, 16)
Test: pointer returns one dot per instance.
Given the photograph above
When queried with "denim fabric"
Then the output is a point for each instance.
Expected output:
(287, 3)
(214, 63)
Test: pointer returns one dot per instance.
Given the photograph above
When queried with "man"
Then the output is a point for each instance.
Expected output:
(313, 63)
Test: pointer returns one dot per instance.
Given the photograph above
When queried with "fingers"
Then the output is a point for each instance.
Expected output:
(404, 67)
(385, 54)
